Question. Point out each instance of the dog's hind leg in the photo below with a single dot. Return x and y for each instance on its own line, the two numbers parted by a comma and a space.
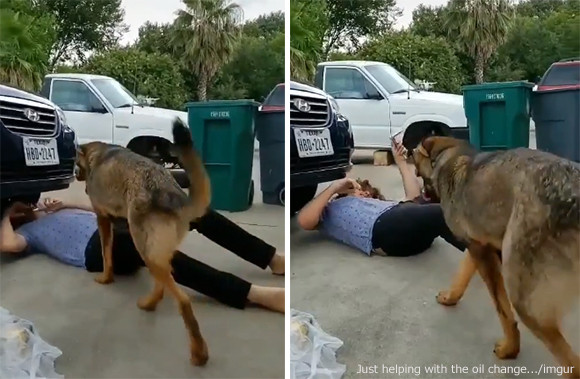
460, 282
106, 235
542, 279
488, 265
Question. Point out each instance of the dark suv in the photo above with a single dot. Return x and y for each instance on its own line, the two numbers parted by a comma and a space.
38, 149
321, 143
564, 74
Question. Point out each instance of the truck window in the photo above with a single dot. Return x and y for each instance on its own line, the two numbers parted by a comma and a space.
276, 97
347, 83
75, 96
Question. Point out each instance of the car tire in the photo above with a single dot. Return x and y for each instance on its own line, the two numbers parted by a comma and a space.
300, 196
416, 132
251, 194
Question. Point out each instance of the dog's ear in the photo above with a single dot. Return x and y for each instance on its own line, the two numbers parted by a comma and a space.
435, 145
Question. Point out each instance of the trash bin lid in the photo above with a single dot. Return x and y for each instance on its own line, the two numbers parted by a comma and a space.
498, 85
222, 103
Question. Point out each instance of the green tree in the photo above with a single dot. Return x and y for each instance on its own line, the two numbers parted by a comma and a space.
206, 33
147, 74
430, 21
481, 27
155, 38
308, 24
82, 26
25, 42
350, 20
265, 25
424, 58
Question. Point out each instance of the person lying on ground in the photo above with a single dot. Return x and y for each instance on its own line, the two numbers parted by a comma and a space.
355, 213
69, 233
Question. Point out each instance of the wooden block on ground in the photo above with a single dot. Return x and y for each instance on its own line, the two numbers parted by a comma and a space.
383, 158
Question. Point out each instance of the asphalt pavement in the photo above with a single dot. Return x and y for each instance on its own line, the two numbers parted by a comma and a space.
384, 308
103, 334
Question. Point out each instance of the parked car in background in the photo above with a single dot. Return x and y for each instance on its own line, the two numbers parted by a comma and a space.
37, 150
321, 142
380, 102
99, 108
564, 74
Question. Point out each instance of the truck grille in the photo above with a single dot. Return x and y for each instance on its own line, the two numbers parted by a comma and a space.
317, 116
12, 115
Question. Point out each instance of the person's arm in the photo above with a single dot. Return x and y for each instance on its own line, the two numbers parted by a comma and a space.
309, 216
411, 183
53, 205
10, 241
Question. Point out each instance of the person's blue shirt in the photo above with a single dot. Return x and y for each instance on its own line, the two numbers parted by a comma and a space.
351, 219
63, 235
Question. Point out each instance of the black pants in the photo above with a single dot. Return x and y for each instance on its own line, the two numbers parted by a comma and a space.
222, 286
409, 228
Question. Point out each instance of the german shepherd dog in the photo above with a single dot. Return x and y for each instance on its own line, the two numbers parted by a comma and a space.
526, 204
123, 184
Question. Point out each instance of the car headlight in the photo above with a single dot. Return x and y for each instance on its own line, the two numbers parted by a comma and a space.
334, 104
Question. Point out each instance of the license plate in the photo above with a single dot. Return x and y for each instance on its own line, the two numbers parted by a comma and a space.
40, 151
313, 143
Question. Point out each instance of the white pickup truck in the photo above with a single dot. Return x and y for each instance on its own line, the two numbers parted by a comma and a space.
380, 102
98, 108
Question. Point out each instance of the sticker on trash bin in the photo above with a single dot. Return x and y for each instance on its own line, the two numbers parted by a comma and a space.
220, 114
494, 96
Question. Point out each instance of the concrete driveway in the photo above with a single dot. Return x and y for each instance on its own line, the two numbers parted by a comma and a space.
384, 308
103, 334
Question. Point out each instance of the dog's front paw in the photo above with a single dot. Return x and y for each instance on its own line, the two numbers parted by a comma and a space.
104, 279
505, 349
447, 298
199, 354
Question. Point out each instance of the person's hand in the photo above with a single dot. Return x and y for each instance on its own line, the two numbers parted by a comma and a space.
50, 205
399, 153
19, 209
345, 186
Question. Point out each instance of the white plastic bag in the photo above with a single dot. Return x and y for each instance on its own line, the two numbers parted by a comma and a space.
312, 351
23, 354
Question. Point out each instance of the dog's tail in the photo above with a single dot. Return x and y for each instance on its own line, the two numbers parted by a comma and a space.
199, 183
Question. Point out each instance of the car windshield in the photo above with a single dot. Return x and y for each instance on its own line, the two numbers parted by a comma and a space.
391, 80
561, 75
115, 93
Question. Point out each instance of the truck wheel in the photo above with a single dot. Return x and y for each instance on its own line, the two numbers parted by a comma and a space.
416, 132
300, 196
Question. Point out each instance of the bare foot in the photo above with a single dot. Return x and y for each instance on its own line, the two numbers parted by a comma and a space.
278, 264
272, 298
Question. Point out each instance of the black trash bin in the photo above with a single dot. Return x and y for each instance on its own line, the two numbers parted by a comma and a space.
556, 113
271, 134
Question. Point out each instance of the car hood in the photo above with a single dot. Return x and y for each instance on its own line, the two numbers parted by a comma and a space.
20, 94
306, 88
440, 97
155, 112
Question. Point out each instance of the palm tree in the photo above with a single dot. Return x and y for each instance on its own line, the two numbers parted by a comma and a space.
481, 27
22, 58
206, 34
307, 25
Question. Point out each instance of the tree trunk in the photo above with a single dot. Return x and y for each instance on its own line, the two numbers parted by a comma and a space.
202, 87
479, 67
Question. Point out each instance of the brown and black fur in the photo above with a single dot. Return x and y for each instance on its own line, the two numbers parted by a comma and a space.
526, 204
123, 184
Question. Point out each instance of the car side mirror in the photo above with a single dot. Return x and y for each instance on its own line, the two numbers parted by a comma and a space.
99, 109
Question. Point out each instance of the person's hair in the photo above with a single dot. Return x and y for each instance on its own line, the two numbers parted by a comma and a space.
373, 191
365, 185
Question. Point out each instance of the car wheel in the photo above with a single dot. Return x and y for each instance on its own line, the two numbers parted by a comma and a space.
416, 132
282, 195
300, 196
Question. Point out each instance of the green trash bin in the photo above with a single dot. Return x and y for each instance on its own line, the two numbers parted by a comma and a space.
223, 133
498, 114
